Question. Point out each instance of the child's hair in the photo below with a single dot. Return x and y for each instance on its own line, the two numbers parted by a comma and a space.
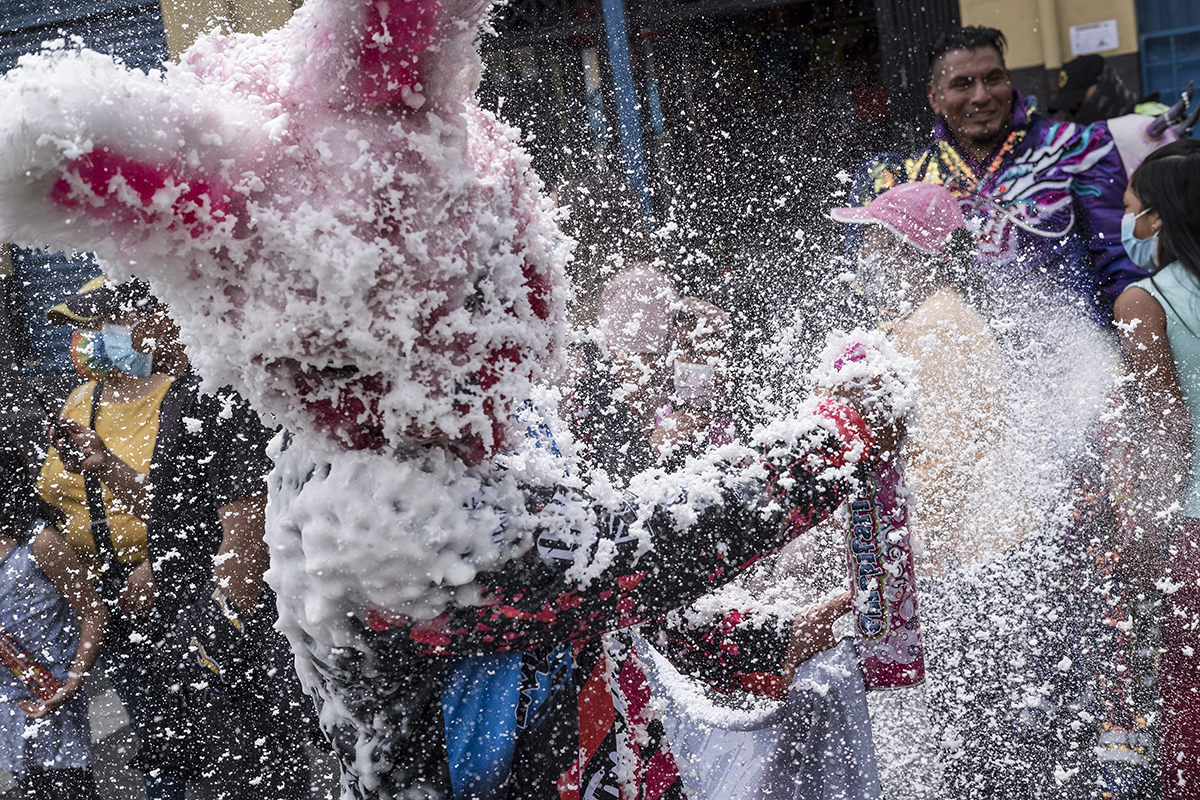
20, 503
1168, 182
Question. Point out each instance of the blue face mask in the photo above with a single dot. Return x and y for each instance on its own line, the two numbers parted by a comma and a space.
1143, 252
118, 343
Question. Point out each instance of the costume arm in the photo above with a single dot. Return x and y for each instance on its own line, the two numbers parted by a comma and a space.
747, 650
1099, 188
705, 526
740, 650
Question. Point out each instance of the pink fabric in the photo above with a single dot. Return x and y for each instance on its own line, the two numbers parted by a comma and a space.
1179, 669
1131, 135
921, 214
136, 195
397, 33
200, 204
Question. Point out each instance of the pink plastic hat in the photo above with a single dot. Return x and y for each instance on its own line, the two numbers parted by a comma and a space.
921, 214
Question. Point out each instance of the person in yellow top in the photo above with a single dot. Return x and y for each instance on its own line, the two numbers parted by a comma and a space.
130, 429
208, 682
131, 394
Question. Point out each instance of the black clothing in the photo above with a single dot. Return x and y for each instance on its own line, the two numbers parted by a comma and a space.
1112, 99
607, 434
59, 784
212, 695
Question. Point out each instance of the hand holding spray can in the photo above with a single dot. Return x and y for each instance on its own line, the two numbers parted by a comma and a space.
887, 627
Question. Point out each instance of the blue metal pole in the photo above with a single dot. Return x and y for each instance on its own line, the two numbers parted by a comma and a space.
628, 119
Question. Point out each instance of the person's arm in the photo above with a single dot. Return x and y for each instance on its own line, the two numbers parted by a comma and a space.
214, 623
244, 556
58, 562
236, 474
962, 380
82, 450
1165, 433
709, 523
748, 650
812, 633
228, 449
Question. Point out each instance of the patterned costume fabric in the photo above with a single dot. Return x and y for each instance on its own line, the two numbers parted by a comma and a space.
1045, 209
558, 703
732, 653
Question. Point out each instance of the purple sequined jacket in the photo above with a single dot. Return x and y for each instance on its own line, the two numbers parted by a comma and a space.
1045, 210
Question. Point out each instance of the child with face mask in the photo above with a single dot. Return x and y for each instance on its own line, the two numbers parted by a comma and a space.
1159, 320
120, 401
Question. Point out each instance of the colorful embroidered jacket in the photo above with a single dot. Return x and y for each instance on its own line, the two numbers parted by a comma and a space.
508, 698
1045, 209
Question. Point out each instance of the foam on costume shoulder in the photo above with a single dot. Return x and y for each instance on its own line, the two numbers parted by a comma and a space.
342, 233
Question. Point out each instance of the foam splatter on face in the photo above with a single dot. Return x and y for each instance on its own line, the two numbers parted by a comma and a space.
341, 232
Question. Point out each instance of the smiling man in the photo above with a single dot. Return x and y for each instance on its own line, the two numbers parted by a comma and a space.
1042, 197
971, 91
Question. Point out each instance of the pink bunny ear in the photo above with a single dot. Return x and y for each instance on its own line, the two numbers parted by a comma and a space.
397, 33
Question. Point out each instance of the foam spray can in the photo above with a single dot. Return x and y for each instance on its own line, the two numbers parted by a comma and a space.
27, 669
887, 628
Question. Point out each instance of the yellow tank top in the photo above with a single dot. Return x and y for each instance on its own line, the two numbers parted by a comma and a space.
130, 431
